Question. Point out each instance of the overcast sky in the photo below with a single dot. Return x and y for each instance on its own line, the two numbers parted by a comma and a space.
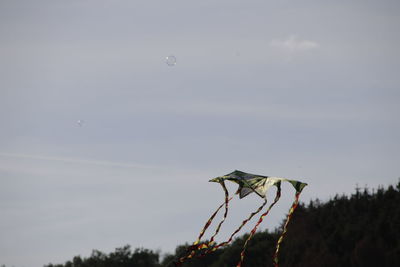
103, 144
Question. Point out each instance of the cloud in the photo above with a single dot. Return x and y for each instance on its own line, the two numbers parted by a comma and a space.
294, 44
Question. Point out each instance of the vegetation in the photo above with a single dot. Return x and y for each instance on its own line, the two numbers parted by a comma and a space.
360, 230
122, 257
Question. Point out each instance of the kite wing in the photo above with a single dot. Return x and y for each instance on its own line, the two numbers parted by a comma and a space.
259, 184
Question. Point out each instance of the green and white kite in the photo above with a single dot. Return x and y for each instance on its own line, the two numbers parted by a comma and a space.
248, 183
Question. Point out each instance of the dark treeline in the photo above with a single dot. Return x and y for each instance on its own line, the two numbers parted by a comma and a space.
358, 230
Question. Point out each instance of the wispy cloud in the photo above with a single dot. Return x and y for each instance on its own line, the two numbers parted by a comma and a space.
294, 44
76, 160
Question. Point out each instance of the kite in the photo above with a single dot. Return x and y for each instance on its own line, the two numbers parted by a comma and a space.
248, 183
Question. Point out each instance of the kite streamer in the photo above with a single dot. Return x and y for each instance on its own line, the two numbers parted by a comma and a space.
196, 245
278, 195
289, 216
248, 183
225, 214
214, 248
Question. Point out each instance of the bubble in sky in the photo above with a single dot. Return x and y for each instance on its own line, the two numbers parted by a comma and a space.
170, 60
80, 123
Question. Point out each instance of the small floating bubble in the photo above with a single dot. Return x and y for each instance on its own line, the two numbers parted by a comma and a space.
170, 60
80, 122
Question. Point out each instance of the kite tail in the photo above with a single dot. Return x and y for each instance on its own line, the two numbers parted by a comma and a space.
234, 233
289, 216
225, 214
278, 195
196, 244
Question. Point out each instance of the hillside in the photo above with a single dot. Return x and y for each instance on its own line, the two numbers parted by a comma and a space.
358, 230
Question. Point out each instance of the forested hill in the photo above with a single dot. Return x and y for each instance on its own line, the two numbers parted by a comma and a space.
358, 230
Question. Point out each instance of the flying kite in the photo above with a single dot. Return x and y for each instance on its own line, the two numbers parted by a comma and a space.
248, 183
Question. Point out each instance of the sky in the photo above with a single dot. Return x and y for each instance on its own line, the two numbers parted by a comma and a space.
103, 144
